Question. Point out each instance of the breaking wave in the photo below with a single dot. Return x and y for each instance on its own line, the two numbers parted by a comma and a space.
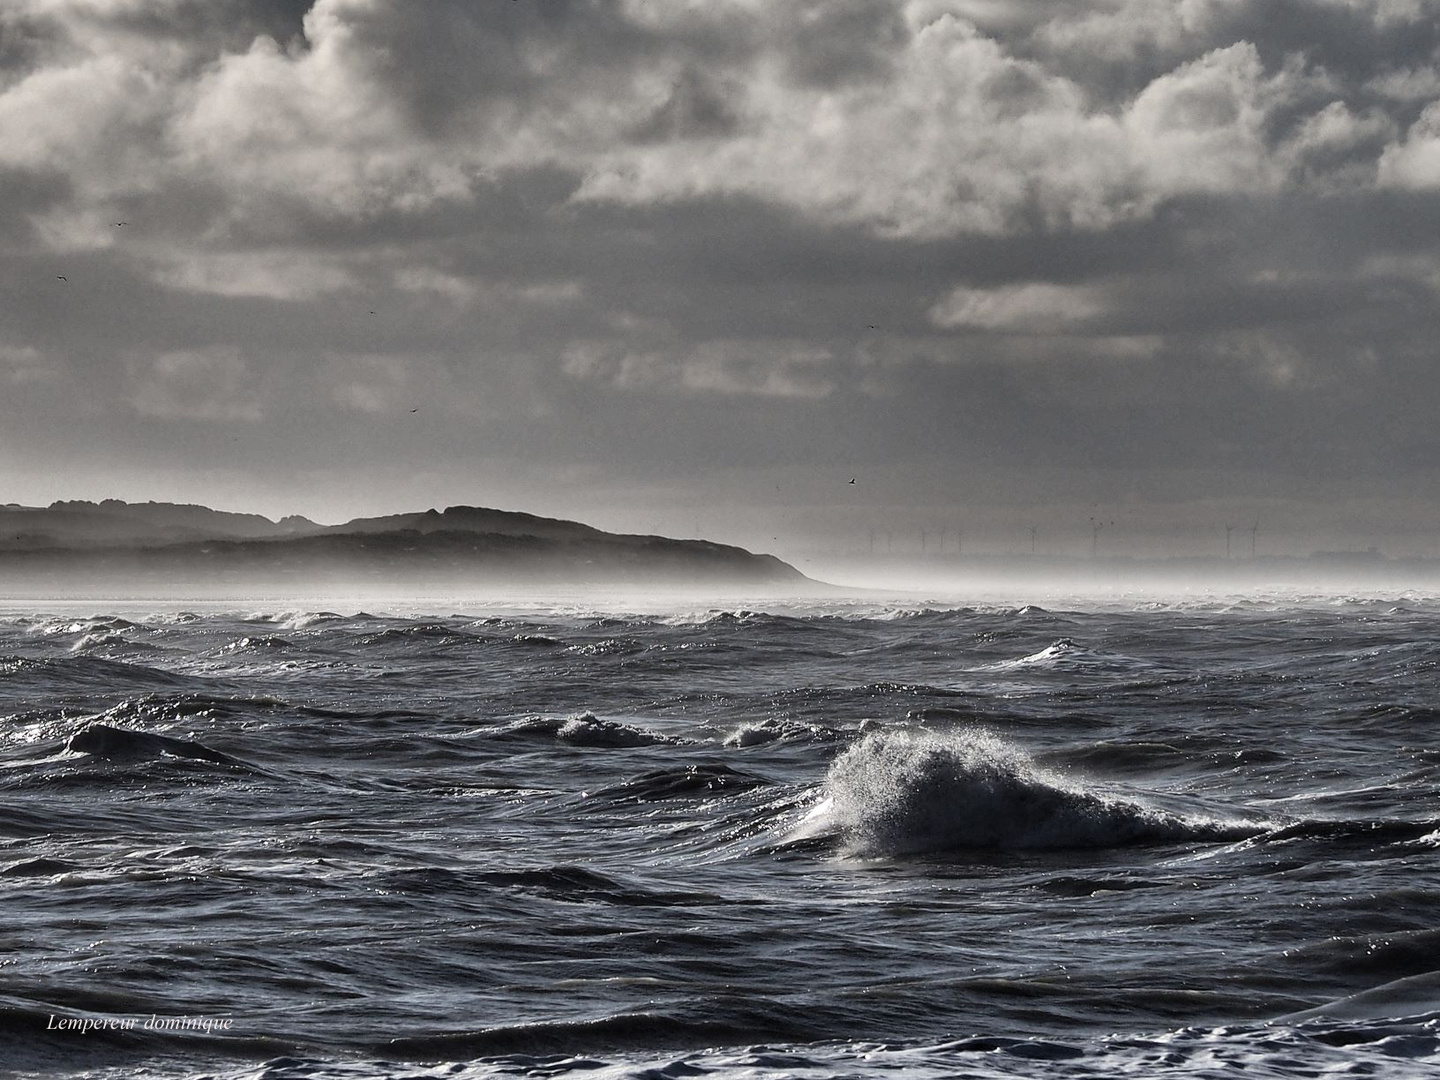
911, 792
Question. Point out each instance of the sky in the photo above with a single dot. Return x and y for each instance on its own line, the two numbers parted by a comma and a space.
1120, 272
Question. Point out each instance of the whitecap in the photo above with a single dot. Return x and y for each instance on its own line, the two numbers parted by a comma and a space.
909, 792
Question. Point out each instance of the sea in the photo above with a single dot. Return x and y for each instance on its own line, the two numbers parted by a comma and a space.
837, 836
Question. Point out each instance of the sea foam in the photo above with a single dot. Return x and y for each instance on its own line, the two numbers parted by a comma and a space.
909, 792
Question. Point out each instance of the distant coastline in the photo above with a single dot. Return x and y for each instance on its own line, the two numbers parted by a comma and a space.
164, 548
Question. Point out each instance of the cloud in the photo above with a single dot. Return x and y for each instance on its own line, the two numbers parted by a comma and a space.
1422, 269
828, 44
372, 384
1126, 33
1201, 128
1338, 147
1032, 308
1406, 84
20, 364
306, 127
213, 384
93, 121
1385, 12
730, 368
1415, 162
463, 290
771, 369
274, 275
960, 137
963, 137
1114, 48
901, 118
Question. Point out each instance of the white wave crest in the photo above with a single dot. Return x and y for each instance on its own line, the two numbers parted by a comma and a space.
909, 792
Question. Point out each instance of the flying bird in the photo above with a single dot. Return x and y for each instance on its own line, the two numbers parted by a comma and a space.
62, 277
852, 479
119, 223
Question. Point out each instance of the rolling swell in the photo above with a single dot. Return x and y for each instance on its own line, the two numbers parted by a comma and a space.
706, 1023
83, 671
33, 1042
102, 740
688, 781
913, 792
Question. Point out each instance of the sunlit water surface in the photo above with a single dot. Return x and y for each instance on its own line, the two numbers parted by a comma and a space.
804, 839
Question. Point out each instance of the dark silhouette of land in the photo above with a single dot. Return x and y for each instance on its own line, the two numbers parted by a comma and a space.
85, 547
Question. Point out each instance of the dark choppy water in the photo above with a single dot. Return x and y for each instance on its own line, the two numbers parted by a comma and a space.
819, 841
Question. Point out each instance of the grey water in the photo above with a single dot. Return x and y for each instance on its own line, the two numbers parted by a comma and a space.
811, 838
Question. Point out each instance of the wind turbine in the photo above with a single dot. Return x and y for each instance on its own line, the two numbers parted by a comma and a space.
1095, 529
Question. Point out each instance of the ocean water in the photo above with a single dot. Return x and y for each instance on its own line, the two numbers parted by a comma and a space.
827, 838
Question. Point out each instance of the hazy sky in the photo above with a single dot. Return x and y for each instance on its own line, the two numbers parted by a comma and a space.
694, 264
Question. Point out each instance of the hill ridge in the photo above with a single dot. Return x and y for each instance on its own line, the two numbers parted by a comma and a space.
84, 544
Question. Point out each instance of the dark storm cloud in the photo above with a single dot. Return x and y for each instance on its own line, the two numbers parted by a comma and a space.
695, 108
28, 192
32, 34
212, 26
451, 57
830, 43
25, 39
